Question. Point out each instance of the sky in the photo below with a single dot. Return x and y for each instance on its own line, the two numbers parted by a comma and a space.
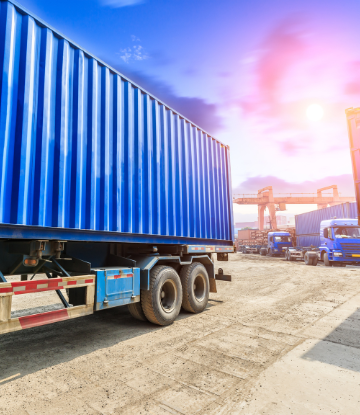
245, 71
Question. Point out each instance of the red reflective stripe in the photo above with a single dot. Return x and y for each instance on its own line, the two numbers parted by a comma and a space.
43, 318
6, 290
29, 285
89, 281
123, 276
71, 282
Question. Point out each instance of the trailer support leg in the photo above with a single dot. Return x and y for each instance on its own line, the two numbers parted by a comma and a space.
2, 278
60, 268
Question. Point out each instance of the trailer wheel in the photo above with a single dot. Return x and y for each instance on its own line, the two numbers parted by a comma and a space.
315, 261
308, 259
195, 287
327, 263
263, 251
161, 304
136, 311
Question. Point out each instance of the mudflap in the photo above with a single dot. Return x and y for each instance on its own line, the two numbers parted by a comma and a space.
213, 288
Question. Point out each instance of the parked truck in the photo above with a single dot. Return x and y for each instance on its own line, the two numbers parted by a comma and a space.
277, 243
327, 235
108, 197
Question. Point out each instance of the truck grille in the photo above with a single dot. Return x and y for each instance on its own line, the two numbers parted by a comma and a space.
350, 249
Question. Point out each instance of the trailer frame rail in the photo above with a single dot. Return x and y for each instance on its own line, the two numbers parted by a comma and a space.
9, 289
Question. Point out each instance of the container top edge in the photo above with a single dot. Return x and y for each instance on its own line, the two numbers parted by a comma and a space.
43, 23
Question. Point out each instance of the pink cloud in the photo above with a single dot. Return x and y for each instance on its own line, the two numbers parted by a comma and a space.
295, 67
291, 147
278, 53
353, 86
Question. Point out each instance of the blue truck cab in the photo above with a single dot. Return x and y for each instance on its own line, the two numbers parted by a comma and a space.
278, 242
340, 241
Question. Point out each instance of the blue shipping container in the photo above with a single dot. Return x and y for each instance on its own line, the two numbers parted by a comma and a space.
307, 225
89, 155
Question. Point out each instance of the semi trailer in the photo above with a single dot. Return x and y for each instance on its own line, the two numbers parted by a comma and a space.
327, 235
108, 196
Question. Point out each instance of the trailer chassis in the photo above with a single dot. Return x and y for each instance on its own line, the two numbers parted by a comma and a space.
310, 255
118, 279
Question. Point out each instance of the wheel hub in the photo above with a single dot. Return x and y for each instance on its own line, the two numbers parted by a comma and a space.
168, 296
199, 287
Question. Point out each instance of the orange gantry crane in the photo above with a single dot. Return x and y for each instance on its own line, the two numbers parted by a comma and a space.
265, 199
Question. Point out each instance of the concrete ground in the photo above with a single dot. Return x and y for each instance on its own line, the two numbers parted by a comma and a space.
282, 338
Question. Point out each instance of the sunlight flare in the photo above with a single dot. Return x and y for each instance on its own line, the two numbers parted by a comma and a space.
314, 112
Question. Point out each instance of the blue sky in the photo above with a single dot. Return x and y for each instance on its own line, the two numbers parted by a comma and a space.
246, 71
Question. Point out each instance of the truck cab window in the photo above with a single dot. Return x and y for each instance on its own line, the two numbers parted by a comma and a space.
347, 232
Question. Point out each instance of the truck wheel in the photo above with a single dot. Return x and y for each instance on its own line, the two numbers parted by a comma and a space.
195, 287
136, 311
161, 304
314, 261
327, 263
308, 259
270, 253
263, 251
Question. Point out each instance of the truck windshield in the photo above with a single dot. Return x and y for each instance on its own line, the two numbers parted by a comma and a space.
282, 239
347, 232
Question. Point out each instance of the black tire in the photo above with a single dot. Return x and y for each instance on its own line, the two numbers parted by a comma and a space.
315, 261
269, 253
263, 251
308, 259
136, 311
327, 263
162, 302
195, 287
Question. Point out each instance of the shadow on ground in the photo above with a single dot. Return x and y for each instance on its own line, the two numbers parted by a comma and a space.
346, 334
31, 350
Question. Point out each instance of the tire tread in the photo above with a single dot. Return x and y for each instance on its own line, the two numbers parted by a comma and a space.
135, 309
146, 297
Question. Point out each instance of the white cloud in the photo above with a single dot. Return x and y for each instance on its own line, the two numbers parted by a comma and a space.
120, 3
133, 53
135, 38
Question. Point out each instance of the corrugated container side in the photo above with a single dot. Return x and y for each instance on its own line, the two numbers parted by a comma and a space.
309, 223
308, 240
85, 148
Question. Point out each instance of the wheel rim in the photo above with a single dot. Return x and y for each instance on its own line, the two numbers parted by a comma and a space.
168, 296
199, 287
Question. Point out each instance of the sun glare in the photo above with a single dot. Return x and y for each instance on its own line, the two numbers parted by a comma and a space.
314, 112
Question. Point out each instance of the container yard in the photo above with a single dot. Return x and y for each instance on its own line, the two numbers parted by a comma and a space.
284, 339
144, 267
